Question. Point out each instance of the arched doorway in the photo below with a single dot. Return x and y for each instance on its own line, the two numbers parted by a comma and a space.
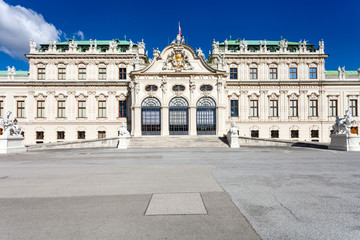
206, 116
150, 116
178, 116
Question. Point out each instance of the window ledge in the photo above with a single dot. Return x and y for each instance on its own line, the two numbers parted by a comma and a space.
293, 118
121, 118
101, 118
313, 118
40, 118
254, 118
274, 118
81, 118
60, 118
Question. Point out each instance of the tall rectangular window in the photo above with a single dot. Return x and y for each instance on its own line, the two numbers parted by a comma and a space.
313, 108
254, 108
333, 108
60, 135
233, 73
273, 73
102, 73
82, 73
354, 107
20, 109
81, 109
293, 73
234, 108
273, 108
313, 73
122, 108
294, 108
40, 109
41, 73
122, 73
101, 134
102, 109
1, 108
253, 73
61, 109
62, 74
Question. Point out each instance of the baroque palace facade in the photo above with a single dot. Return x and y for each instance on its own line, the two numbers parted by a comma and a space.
86, 89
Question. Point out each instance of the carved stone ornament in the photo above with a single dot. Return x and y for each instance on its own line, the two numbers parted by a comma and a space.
81, 96
177, 60
121, 97
40, 96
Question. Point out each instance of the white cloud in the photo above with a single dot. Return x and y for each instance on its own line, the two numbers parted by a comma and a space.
18, 25
80, 34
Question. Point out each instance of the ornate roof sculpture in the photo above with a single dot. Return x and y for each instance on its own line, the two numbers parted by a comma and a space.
177, 59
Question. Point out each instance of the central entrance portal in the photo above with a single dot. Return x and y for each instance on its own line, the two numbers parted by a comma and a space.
178, 116
150, 117
206, 116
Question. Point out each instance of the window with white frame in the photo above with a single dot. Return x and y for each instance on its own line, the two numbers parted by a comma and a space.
333, 107
254, 108
313, 108
293, 108
274, 108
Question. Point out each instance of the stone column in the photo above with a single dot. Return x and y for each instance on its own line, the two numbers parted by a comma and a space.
192, 121
303, 106
283, 106
136, 121
164, 121
263, 106
244, 106
220, 123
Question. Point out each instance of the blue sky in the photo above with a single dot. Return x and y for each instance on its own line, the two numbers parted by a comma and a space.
337, 22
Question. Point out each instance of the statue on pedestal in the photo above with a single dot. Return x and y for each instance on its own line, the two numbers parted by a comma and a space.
10, 126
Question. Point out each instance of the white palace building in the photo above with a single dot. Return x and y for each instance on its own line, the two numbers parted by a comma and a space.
86, 89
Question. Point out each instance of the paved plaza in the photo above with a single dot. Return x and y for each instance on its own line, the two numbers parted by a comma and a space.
180, 193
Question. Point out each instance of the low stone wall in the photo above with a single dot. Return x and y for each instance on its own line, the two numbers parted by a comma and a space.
96, 143
249, 141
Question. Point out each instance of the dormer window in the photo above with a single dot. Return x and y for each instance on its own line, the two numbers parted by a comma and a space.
151, 88
178, 88
206, 88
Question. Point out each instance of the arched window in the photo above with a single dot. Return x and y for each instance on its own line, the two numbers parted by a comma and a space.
178, 102
178, 88
206, 102
151, 88
151, 102
206, 88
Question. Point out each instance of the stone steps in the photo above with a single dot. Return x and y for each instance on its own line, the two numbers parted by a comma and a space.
178, 142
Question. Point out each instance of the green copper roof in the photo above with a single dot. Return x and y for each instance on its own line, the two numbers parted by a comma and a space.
19, 73
98, 42
257, 42
335, 72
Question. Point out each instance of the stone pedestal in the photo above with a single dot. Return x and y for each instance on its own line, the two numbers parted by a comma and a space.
123, 142
233, 140
12, 144
344, 142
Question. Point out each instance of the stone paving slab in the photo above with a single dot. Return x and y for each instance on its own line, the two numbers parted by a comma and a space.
176, 204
